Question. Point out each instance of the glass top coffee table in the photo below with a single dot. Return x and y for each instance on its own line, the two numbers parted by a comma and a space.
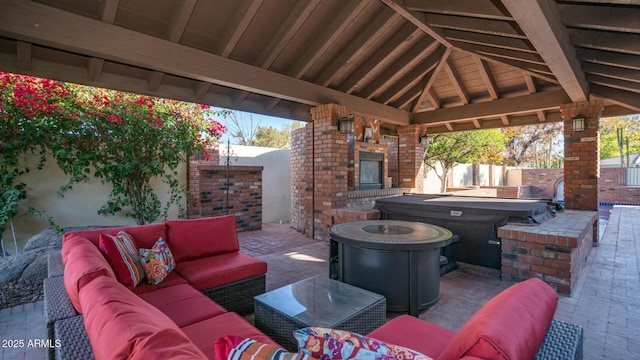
317, 301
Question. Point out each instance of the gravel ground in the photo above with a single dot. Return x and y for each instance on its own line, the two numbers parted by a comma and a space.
15, 293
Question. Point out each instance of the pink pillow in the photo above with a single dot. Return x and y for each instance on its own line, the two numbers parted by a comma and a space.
157, 262
122, 254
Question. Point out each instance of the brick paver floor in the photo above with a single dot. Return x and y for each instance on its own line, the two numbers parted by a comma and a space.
606, 301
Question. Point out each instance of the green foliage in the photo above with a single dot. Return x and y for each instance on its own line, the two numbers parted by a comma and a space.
533, 145
122, 139
272, 137
609, 135
463, 147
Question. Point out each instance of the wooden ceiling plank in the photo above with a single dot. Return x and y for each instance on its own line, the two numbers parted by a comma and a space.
323, 41
414, 77
624, 98
396, 45
294, 21
487, 78
428, 86
404, 99
433, 98
406, 63
237, 25
605, 40
506, 106
180, 20
23, 55
540, 21
356, 49
67, 31
109, 11
607, 18
611, 71
614, 83
417, 19
485, 9
536, 70
489, 40
626, 61
481, 26
94, 68
503, 53
456, 81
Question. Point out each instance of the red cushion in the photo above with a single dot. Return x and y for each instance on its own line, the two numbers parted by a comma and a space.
512, 325
121, 325
204, 333
213, 271
413, 333
144, 235
183, 304
172, 279
84, 264
192, 239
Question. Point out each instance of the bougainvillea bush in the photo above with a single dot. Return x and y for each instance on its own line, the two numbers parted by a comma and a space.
122, 139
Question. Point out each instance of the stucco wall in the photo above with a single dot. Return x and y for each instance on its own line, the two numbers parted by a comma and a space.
78, 207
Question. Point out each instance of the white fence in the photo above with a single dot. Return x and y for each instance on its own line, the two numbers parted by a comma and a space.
633, 176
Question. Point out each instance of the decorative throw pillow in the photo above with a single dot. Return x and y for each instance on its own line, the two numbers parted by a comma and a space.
157, 262
122, 254
334, 344
234, 347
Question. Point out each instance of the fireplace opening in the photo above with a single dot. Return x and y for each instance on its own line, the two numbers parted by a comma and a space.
371, 170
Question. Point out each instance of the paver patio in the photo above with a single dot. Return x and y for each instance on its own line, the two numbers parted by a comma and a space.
606, 301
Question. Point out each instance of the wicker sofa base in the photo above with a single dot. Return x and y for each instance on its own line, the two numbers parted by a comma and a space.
562, 341
74, 342
238, 296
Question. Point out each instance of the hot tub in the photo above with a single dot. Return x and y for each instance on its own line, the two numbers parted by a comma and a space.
474, 219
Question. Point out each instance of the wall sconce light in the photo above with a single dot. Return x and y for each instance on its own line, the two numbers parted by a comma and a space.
345, 125
578, 123
425, 140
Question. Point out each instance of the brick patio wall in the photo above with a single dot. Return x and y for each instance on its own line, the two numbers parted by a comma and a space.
208, 185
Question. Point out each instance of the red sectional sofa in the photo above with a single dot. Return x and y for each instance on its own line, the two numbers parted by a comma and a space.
175, 318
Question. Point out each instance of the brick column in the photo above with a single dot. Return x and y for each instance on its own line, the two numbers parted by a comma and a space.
410, 158
194, 207
302, 180
330, 161
582, 158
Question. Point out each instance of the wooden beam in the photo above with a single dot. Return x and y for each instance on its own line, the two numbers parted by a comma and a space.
76, 33
505, 120
180, 20
541, 116
412, 78
417, 19
237, 25
201, 90
540, 21
607, 18
297, 16
487, 78
109, 11
94, 68
485, 9
506, 106
355, 50
611, 71
490, 40
433, 98
155, 80
531, 84
516, 55
456, 81
614, 83
432, 79
327, 38
23, 55
626, 43
480, 26
626, 61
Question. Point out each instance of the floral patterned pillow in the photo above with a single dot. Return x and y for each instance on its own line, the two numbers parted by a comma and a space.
334, 344
157, 262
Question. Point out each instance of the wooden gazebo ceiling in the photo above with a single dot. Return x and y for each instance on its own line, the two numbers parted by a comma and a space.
445, 64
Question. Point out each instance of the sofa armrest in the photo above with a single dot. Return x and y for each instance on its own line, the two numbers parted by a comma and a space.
73, 340
54, 264
563, 340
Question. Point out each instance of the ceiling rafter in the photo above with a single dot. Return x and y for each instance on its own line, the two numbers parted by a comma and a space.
617, 96
355, 49
487, 78
94, 69
457, 82
180, 20
599, 18
62, 29
505, 120
504, 53
155, 80
603, 40
403, 100
541, 23
485, 9
417, 19
531, 84
238, 24
326, 39
611, 71
109, 11
614, 83
201, 90
481, 26
433, 98
501, 42
412, 78
398, 43
108, 14
427, 87
626, 61
541, 116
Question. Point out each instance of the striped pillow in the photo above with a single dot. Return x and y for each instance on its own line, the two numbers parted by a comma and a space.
233, 347
122, 254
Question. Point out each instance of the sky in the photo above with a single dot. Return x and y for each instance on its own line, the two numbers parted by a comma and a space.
265, 121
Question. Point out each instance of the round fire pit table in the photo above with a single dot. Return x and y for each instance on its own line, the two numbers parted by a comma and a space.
397, 259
